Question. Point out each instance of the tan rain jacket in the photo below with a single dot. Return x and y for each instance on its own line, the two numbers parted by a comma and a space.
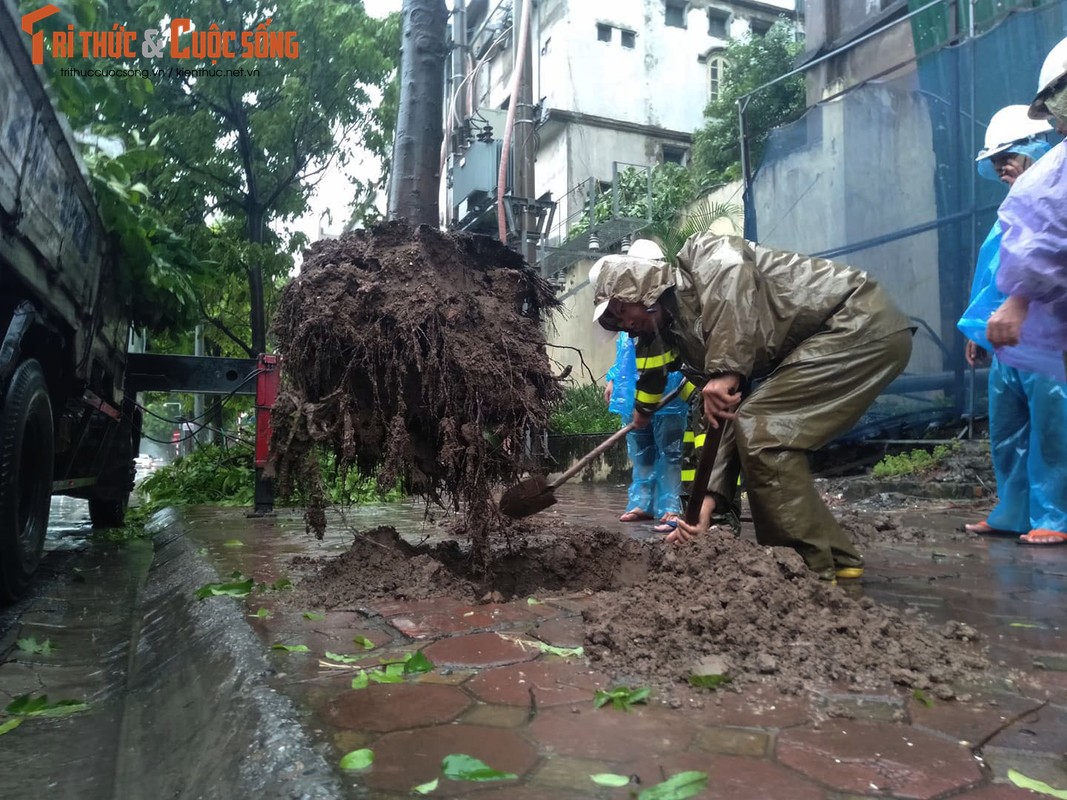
739, 307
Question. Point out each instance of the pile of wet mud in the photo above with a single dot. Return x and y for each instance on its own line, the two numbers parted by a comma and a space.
417, 356
656, 614
726, 606
866, 529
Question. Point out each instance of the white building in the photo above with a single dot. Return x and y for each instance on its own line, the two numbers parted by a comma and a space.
615, 83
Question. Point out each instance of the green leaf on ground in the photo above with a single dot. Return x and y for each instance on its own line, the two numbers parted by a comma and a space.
233, 543
417, 663
922, 697
621, 697
314, 616
379, 676
610, 779
677, 787
708, 681
361, 681
232, 589
562, 652
424, 788
29, 706
340, 658
358, 759
290, 648
1035, 785
281, 583
364, 642
461, 767
32, 646
10, 725
532, 601
261, 614
1022, 625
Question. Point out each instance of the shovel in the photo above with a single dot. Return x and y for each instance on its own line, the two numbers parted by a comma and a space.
536, 494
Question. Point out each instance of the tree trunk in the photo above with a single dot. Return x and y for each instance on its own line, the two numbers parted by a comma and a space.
416, 180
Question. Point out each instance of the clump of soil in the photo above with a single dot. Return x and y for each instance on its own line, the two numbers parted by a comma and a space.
869, 529
417, 356
658, 613
534, 557
758, 614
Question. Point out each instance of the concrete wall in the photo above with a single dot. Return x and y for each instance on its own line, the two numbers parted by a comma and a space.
574, 328
866, 169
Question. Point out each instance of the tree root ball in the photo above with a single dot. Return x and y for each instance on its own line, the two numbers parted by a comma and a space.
417, 356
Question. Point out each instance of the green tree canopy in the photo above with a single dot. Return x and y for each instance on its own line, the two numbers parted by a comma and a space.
225, 158
750, 63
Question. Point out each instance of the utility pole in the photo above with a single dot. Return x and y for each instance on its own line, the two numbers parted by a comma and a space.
525, 151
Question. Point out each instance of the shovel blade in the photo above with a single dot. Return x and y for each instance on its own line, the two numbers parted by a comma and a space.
527, 497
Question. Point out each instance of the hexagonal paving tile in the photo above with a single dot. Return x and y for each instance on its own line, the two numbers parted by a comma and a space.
611, 735
396, 706
733, 777
551, 683
409, 758
865, 757
478, 650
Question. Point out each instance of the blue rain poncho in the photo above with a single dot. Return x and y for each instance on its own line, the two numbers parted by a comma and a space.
656, 450
1027, 409
1033, 256
986, 297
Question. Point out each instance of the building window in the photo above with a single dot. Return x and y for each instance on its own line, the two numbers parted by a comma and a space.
603, 32
674, 13
759, 27
718, 23
629, 39
716, 74
673, 154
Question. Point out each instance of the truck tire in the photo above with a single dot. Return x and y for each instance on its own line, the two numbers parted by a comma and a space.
107, 508
26, 456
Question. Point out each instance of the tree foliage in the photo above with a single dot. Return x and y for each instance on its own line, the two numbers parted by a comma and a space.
657, 195
222, 161
750, 63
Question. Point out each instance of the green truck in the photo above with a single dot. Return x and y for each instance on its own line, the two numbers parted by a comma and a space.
67, 425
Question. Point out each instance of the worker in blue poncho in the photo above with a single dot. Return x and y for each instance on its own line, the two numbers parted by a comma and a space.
1027, 409
656, 450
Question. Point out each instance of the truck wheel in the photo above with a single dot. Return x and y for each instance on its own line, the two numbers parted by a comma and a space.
108, 509
108, 512
26, 455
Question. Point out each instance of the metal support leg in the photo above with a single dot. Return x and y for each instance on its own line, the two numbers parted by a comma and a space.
266, 392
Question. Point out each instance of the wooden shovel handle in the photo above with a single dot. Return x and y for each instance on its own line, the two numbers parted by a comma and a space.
582, 462
699, 487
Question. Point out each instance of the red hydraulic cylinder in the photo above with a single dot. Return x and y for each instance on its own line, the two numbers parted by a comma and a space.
266, 393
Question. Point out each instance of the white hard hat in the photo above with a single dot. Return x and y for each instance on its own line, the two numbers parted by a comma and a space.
645, 248
1010, 125
1054, 68
641, 248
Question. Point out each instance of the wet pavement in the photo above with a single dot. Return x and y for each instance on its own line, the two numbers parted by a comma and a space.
493, 693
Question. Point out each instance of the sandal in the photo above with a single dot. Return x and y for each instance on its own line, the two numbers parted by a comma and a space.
635, 516
1043, 537
667, 523
983, 528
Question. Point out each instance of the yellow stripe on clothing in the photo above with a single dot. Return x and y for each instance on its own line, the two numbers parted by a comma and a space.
688, 475
687, 390
647, 398
654, 362
688, 437
698, 441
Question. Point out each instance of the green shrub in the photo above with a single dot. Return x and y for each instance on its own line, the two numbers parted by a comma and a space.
226, 477
583, 410
210, 474
911, 462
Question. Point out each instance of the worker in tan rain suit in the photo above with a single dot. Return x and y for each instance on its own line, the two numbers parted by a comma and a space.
824, 340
